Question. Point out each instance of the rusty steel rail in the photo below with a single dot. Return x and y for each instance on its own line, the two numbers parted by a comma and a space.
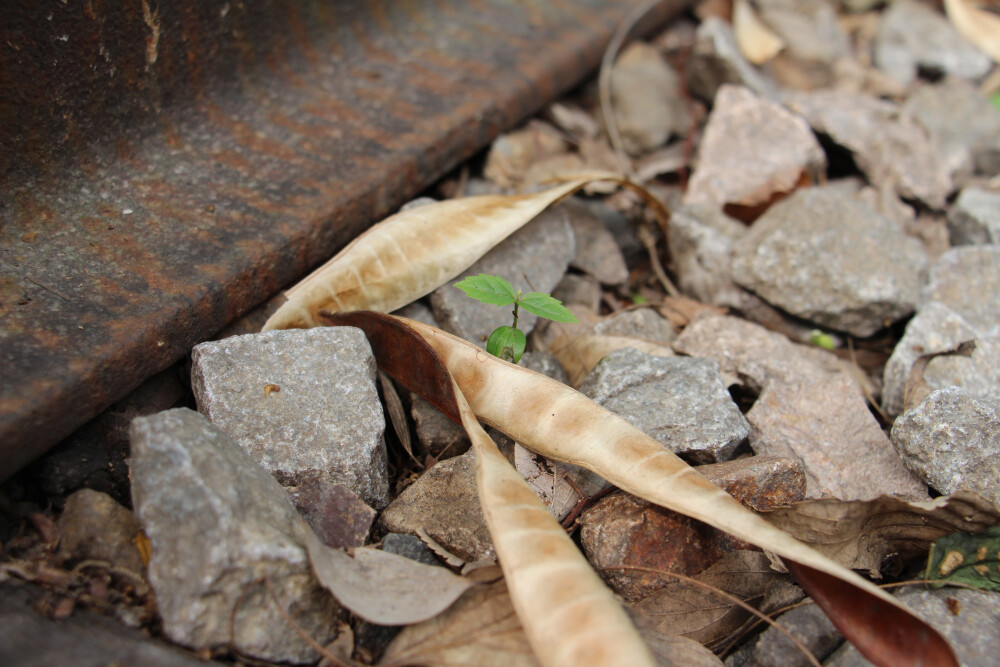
166, 165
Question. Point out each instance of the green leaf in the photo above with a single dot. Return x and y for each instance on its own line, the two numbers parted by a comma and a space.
821, 339
968, 558
995, 98
488, 289
506, 343
547, 306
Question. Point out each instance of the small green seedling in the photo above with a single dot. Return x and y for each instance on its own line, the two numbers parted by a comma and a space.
508, 342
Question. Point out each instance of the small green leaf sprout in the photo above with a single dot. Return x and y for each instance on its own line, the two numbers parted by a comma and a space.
505, 342
822, 339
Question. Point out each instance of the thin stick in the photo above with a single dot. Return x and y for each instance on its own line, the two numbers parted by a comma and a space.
728, 596
646, 238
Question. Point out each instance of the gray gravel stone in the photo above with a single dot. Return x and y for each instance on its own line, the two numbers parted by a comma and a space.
967, 280
648, 105
966, 618
974, 218
580, 289
752, 150
890, 147
952, 441
324, 424
597, 252
95, 527
643, 323
681, 402
964, 124
716, 59
771, 648
828, 426
541, 250
913, 36
809, 28
444, 503
934, 329
440, 436
701, 238
833, 261
218, 523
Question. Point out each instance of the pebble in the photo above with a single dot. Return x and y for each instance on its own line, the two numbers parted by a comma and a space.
952, 441
597, 252
890, 147
302, 402
809, 28
716, 60
641, 323
579, 288
440, 436
964, 124
807, 623
751, 151
833, 261
532, 259
966, 618
95, 527
759, 482
701, 238
967, 280
218, 522
914, 38
648, 104
340, 518
444, 502
680, 402
827, 425
974, 218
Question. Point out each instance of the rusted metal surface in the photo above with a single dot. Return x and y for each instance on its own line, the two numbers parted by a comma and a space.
165, 166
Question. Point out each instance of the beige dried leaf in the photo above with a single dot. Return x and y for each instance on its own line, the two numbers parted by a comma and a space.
860, 534
977, 24
480, 630
757, 42
382, 587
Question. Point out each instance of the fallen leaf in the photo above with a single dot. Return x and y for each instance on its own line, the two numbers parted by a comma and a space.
686, 609
397, 414
415, 251
480, 630
967, 558
861, 534
560, 423
382, 587
757, 42
569, 615
976, 23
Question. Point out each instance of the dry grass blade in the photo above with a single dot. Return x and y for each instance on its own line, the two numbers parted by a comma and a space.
570, 616
558, 422
413, 252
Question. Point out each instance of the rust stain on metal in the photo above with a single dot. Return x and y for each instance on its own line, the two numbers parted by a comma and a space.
176, 162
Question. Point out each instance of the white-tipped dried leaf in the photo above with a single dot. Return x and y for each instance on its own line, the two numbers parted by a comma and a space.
978, 25
580, 354
382, 587
410, 254
757, 42
560, 423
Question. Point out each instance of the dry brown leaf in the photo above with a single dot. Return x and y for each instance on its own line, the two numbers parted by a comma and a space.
558, 422
382, 587
977, 24
757, 42
415, 251
480, 630
860, 534
397, 414
683, 608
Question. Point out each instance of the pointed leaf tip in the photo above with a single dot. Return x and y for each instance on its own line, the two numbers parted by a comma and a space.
547, 306
488, 289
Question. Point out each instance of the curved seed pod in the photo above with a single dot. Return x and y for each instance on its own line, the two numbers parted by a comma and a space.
569, 615
556, 421
413, 252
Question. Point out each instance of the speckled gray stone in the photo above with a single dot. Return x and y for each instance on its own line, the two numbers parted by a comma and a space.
831, 260
914, 36
541, 250
324, 424
716, 59
218, 523
966, 618
580, 289
597, 252
964, 124
752, 150
827, 425
643, 323
952, 441
891, 148
974, 218
934, 329
771, 648
680, 402
809, 28
967, 280
701, 238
